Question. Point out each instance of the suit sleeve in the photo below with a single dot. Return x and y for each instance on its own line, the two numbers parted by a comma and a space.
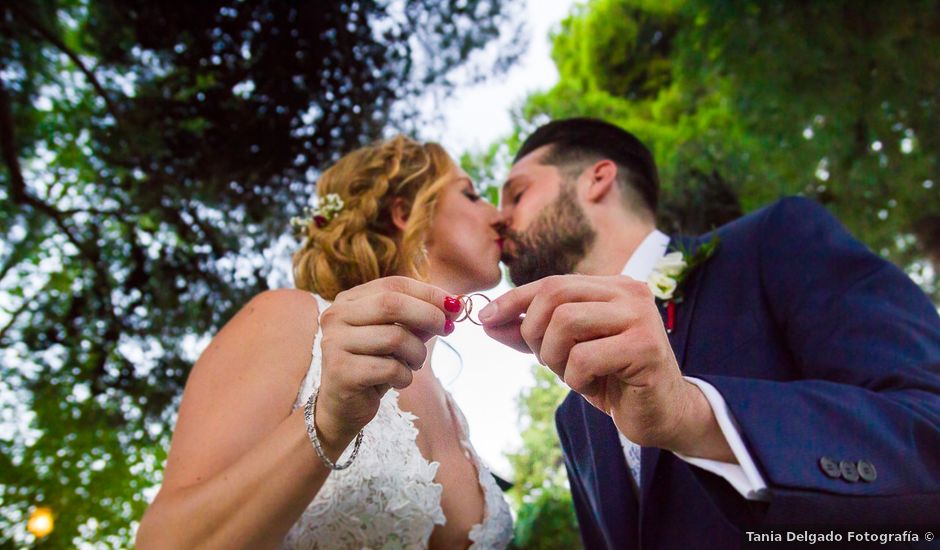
591, 534
866, 344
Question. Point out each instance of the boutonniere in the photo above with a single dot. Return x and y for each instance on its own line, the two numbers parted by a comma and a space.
665, 281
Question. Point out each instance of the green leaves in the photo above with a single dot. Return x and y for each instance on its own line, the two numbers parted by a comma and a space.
545, 514
142, 199
746, 101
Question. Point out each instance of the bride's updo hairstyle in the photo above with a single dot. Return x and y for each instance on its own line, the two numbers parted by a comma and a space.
361, 243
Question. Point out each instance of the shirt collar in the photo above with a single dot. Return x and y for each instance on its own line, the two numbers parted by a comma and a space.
644, 258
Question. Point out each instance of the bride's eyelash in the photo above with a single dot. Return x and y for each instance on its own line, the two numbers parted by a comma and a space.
472, 196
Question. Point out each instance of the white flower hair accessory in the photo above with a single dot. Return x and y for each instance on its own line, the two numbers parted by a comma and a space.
329, 207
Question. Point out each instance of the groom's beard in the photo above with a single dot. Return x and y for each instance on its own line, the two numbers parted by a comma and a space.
553, 244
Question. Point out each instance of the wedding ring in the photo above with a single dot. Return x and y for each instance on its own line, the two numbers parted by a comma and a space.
467, 301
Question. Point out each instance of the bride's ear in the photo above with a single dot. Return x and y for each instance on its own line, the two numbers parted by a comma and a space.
401, 209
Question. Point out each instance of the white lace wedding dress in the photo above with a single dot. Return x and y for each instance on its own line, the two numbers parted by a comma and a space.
388, 498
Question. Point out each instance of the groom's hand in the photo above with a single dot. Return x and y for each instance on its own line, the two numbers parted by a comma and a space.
604, 337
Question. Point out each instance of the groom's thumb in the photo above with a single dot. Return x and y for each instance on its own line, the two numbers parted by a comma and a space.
508, 307
488, 312
508, 334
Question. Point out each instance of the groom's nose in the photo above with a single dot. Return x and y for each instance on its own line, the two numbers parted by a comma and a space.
505, 215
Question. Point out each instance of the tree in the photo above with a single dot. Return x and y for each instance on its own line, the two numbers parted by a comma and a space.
152, 155
744, 101
541, 494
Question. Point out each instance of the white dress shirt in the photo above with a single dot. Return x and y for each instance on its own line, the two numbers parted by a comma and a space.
743, 476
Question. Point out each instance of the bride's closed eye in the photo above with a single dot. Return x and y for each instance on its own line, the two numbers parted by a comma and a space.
472, 195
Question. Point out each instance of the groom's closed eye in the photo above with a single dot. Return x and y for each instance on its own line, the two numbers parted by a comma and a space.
506, 195
512, 190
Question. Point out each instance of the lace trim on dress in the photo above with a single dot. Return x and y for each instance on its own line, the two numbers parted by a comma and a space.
495, 531
388, 498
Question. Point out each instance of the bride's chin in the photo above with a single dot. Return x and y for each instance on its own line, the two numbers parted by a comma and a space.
466, 279
486, 281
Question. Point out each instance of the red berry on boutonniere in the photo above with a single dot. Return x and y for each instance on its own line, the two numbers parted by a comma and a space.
665, 281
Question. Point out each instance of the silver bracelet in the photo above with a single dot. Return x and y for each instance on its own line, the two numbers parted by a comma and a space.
312, 434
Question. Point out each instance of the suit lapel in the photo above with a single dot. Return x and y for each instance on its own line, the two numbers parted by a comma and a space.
616, 500
679, 339
680, 336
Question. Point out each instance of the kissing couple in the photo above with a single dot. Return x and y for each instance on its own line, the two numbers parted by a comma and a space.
773, 371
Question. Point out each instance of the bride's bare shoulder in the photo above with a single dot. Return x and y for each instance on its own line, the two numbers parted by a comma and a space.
282, 305
280, 313
247, 377
275, 327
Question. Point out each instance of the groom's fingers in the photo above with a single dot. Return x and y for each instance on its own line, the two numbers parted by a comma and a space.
575, 323
590, 365
555, 294
508, 334
511, 305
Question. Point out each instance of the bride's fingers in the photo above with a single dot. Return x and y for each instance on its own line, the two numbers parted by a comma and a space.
389, 308
404, 285
387, 340
374, 372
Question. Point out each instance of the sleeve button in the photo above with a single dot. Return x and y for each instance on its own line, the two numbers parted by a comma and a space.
866, 471
849, 471
829, 467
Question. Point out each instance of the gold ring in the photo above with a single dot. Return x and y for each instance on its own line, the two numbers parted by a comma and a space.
467, 301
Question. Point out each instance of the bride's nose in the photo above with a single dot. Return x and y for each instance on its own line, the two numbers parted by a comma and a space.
492, 214
504, 217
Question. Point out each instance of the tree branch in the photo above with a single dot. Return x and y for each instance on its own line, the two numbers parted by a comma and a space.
58, 43
19, 250
8, 146
18, 191
13, 318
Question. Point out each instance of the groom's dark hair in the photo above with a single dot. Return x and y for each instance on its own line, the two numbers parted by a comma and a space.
578, 141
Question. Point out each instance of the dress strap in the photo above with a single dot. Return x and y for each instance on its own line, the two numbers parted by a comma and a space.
321, 306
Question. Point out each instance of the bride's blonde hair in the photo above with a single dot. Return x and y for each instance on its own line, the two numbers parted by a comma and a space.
361, 243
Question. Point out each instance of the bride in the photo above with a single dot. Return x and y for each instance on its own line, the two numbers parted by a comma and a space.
357, 444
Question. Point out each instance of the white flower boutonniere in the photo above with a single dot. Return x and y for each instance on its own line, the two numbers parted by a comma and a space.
670, 272
662, 280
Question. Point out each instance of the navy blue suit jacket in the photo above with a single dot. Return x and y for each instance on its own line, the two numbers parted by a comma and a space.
821, 349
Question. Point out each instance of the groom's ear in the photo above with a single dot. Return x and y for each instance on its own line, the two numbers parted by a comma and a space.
400, 210
603, 178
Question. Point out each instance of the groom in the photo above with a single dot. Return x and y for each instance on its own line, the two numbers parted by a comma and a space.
794, 378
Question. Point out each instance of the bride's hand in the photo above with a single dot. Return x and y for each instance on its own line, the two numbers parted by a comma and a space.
374, 338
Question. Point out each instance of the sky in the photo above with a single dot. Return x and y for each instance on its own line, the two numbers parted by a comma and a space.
492, 376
